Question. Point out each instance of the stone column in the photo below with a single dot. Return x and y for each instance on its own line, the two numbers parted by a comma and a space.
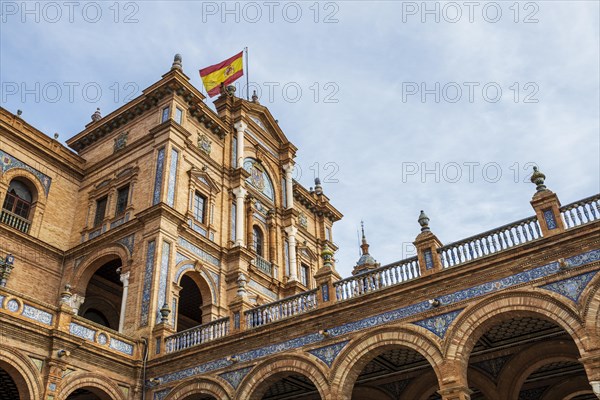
240, 194
455, 393
289, 199
240, 127
292, 231
125, 280
76, 302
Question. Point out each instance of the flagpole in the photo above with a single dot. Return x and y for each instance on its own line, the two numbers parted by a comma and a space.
247, 76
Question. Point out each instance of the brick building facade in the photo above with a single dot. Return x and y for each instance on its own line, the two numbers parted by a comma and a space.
171, 256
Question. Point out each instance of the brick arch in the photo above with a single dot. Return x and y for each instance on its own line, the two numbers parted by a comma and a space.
219, 390
481, 381
105, 387
590, 299
519, 367
23, 372
479, 318
258, 381
421, 388
567, 389
200, 275
352, 360
88, 266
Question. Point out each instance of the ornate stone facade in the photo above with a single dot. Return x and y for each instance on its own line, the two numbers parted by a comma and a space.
165, 260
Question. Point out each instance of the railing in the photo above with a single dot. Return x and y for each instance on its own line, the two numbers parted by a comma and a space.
581, 212
264, 265
377, 279
197, 335
490, 242
281, 309
15, 221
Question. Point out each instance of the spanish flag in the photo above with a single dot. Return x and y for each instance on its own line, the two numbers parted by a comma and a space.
222, 73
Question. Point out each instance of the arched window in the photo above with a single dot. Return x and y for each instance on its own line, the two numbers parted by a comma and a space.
18, 199
257, 240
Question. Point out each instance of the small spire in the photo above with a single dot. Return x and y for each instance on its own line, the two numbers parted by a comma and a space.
96, 116
538, 178
364, 245
424, 221
177, 62
318, 187
255, 97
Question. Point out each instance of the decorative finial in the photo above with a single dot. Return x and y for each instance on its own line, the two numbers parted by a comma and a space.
318, 187
241, 281
364, 245
19, 113
255, 97
55, 135
96, 116
66, 294
423, 221
177, 62
327, 255
538, 178
229, 90
164, 313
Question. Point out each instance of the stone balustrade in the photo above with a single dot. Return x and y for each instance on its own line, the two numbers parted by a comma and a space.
581, 212
288, 307
197, 335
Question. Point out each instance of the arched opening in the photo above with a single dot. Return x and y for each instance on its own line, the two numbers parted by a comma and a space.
19, 204
9, 389
395, 372
258, 240
88, 393
198, 396
189, 309
529, 355
290, 386
103, 295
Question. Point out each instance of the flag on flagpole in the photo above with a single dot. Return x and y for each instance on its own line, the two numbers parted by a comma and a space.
224, 73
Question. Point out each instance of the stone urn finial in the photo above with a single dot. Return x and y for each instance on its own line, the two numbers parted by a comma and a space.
177, 62
538, 179
424, 221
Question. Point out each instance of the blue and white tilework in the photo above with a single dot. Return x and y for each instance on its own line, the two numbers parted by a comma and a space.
9, 162
161, 394
12, 305
121, 346
440, 323
37, 314
428, 259
571, 288
164, 274
493, 366
128, 242
102, 339
327, 354
325, 292
2, 301
549, 218
234, 378
82, 331
148, 275
199, 252
387, 317
160, 164
172, 177
257, 286
52, 387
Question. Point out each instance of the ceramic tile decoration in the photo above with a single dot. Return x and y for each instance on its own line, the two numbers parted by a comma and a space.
440, 323
102, 339
571, 288
160, 163
128, 242
203, 255
12, 305
148, 276
37, 314
549, 218
172, 177
161, 394
234, 378
2, 301
257, 286
82, 331
121, 346
327, 354
164, 274
9, 162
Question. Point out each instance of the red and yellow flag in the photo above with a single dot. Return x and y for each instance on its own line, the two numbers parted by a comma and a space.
224, 73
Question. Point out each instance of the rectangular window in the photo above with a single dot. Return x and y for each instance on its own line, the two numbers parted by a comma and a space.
100, 210
233, 219
304, 275
284, 193
198, 206
122, 200
178, 115
165, 114
234, 153
328, 234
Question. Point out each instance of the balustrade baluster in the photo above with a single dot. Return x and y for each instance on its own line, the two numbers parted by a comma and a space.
585, 212
578, 210
593, 211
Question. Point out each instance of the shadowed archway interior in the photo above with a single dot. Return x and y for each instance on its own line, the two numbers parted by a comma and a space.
103, 296
8, 387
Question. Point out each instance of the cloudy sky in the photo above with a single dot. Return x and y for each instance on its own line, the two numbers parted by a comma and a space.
398, 106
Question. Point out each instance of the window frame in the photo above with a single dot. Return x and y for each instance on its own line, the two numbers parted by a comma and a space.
198, 195
98, 221
165, 114
118, 212
178, 115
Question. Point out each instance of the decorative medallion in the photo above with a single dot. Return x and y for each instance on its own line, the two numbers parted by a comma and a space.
12, 305
120, 142
571, 288
234, 378
303, 220
258, 177
438, 324
204, 144
328, 354
102, 339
